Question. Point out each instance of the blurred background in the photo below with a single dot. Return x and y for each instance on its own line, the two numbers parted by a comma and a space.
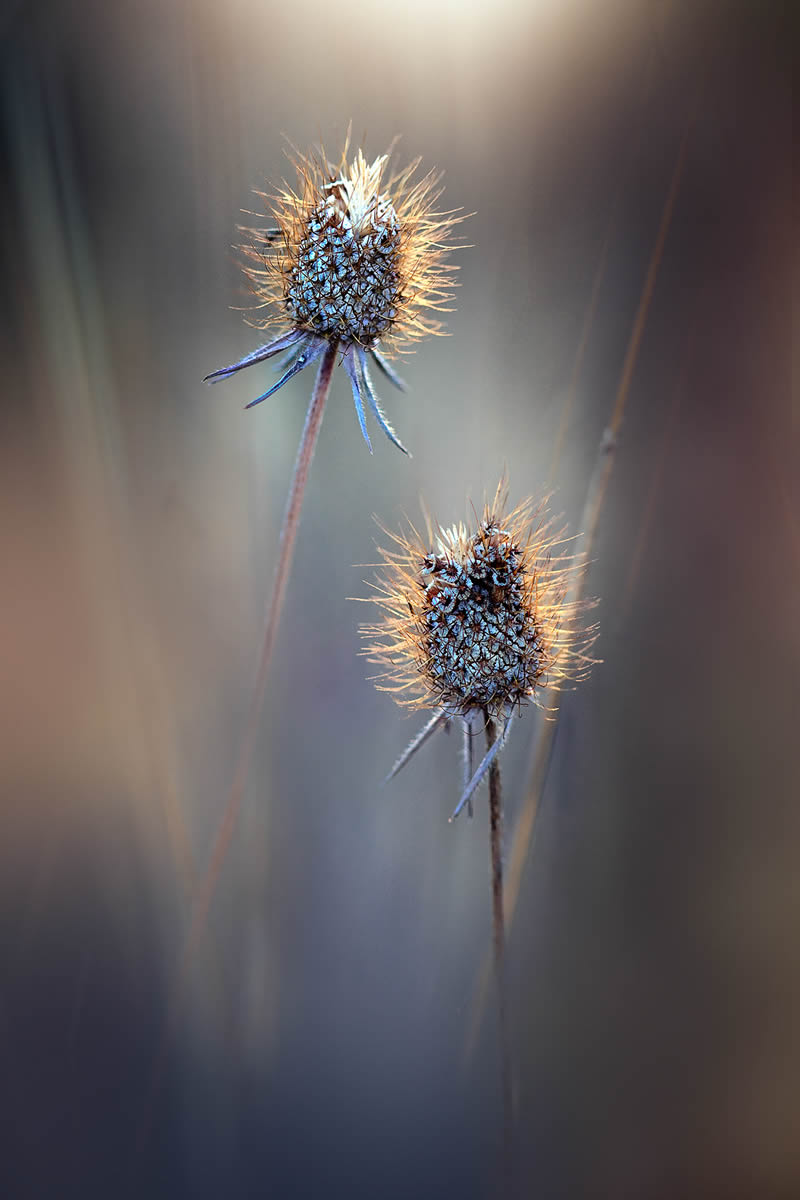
320, 1043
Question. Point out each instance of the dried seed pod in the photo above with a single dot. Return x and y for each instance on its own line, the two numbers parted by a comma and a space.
476, 622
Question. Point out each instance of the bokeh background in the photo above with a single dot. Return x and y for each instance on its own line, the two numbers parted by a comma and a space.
320, 1042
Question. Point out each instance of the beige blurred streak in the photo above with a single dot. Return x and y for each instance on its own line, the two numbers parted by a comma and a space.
100, 685
88, 700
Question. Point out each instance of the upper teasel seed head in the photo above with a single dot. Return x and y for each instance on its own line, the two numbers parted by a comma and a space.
357, 255
345, 282
477, 620
354, 263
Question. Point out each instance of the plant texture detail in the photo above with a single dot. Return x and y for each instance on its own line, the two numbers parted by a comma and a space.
476, 622
354, 260
346, 281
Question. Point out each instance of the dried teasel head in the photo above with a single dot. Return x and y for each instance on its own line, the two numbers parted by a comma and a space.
476, 621
355, 257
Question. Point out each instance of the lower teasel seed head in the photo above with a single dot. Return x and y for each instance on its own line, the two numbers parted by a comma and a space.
478, 620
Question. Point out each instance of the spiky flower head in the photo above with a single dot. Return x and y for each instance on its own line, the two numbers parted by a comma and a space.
354, 258
476, 620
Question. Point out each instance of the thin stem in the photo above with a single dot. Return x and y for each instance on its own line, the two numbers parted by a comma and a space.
523, 836
600, 270
656, 478
205, 892
498, 929
469, 765
291, 522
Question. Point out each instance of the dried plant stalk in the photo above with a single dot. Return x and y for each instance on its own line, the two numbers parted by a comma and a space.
498, 932
524, 832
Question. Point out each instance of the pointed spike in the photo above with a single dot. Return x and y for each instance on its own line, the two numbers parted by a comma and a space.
438, 718
355, 382
485, 763
388, 370
308, 356
261, 355
375, 406
291, 356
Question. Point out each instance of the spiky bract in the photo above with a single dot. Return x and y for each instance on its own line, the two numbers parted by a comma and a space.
478, 620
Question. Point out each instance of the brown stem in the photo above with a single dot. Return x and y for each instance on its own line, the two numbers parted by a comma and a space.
291, 521
595, 496
205, 892
498, 927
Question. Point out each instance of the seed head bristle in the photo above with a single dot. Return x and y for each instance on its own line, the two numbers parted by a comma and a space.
357, 255
478, 620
